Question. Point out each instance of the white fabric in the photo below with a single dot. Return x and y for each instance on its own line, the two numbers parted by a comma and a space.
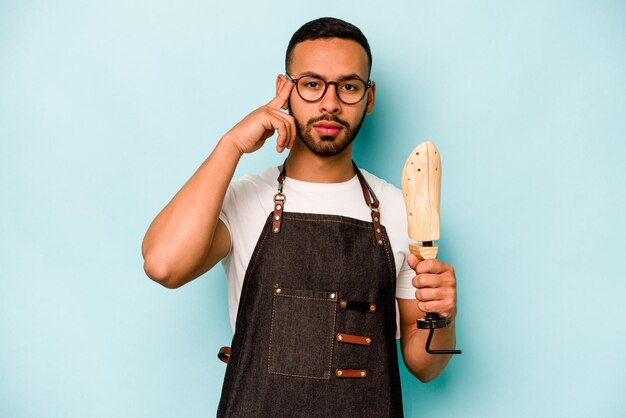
249, 201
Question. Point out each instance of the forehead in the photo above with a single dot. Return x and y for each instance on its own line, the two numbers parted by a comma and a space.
330, 58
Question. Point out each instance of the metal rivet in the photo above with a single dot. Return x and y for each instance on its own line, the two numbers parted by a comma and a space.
278, 290
362, 374
380, 242
376, 218
343, 304
378, 230
372, 308
340, 337
368, 340
275, 229
278, 207
339, 373
332, 296
277, 217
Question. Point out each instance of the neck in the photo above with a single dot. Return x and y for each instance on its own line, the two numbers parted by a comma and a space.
304, 165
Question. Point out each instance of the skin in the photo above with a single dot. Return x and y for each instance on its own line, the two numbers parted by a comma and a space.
186, 239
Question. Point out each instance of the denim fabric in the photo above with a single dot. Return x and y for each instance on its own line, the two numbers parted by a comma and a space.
284, 353
302, 320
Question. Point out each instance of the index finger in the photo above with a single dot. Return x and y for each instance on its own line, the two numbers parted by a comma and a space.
431, 265
280, 101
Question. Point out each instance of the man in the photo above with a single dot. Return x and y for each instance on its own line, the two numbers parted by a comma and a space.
314, 299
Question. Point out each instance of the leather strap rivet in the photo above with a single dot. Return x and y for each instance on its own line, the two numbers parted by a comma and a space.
340, 337
338, 372
343, 304
333, 296
376, 218
380, 242
278, 207
277, 218
278, 290
276, 229
362, 374
378, 230
368, 340
373, 307
224, 354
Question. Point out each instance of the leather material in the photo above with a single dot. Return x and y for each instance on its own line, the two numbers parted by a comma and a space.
279, 204
353, 339
368, 194
224, 354
351, 373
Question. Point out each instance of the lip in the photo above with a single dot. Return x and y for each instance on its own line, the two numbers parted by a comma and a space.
327, 128
327, 125
322, 130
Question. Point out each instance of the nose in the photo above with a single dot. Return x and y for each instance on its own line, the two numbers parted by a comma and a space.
330, 102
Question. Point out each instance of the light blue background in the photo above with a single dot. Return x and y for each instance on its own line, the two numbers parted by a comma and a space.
107, 108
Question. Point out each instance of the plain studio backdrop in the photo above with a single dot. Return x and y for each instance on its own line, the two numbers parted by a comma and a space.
107, 108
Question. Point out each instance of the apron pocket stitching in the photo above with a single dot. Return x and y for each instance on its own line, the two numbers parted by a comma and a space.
313, 335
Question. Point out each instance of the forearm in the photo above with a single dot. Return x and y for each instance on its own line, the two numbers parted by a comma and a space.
422, 365
181, 235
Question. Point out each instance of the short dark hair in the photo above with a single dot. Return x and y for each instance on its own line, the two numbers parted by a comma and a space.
325, 28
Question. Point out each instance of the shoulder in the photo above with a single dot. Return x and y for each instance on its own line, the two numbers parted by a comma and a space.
252, 186
264, 179
251, 192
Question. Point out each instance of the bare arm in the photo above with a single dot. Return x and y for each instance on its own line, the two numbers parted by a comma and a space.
186, 238
436, 284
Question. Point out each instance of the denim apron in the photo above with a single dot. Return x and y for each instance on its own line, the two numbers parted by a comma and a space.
316, 325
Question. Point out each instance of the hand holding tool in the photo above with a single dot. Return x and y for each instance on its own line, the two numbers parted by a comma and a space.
421, 188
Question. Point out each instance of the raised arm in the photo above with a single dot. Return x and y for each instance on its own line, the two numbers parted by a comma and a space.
186, 239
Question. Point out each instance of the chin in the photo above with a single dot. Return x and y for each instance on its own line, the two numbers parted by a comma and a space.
327, 146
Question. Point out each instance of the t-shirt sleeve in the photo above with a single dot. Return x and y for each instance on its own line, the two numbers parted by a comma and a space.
239, 212
404, 285
226, 213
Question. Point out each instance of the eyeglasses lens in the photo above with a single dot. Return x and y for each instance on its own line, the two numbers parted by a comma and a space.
312, 89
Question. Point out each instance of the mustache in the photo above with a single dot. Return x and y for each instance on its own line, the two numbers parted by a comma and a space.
329, 118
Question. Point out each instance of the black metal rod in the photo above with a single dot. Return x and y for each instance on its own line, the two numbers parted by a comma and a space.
429, 351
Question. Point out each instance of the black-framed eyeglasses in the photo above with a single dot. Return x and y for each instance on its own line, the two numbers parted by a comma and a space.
312, 88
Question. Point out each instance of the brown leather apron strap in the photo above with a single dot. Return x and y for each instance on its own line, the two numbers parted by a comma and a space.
224, 354
279, 205
373, 205
351, 373
368, 194
353, 339
279, 202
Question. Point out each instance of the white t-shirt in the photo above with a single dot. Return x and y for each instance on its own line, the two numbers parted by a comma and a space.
249, 201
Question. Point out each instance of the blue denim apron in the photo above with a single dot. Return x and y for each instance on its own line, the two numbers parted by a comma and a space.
316, 325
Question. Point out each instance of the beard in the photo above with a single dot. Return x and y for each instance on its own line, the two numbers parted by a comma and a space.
328, 145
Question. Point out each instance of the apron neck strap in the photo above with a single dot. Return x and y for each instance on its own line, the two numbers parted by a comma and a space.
368, 194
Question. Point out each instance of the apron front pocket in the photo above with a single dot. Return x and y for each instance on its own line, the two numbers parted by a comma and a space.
302, 333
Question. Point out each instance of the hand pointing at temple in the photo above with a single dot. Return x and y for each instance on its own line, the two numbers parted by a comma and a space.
250, 134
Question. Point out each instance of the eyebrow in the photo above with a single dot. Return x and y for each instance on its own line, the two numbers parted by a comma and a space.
342, 78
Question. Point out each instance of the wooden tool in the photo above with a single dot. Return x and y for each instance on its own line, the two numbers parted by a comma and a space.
421, 188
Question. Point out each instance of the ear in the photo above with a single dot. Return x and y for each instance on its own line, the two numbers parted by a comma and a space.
280, 81
371, 98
